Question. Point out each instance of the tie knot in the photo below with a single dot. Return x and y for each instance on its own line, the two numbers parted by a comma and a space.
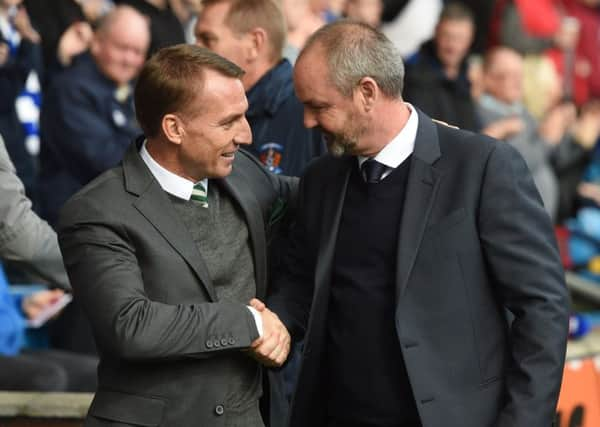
199, 195
373, 170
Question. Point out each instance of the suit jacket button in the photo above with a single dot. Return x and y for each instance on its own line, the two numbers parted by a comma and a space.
231, 340
219, 409
208, 344
223, 342
217, 343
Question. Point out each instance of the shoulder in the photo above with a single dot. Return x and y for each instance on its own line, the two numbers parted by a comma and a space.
469, 147
98, 199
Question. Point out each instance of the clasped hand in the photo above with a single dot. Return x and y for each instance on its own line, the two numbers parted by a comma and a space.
273, 347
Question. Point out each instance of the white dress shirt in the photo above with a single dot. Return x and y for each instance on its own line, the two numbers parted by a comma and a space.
400, 147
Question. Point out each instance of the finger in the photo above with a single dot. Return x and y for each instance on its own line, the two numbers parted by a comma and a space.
267, 347
257, 304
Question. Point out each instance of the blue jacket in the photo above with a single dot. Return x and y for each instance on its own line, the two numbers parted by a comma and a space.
281, 141
85, 131
12, 322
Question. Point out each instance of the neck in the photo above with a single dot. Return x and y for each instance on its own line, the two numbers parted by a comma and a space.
391, 117
166, 154
256, 72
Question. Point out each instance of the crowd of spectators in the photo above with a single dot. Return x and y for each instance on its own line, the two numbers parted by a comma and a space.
524, 71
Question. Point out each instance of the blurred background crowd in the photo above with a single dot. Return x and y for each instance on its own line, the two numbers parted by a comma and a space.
524, 71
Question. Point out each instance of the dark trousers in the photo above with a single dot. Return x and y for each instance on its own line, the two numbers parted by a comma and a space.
48, 370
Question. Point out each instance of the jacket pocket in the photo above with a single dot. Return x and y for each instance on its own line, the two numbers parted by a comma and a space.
128, 408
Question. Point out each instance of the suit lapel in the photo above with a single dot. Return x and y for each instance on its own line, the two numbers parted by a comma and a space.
421, 190
154, 204
243, 195
333, 203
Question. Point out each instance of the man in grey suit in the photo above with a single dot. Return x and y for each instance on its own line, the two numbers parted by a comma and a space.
30, 243
167, 251
25, 238
415, 243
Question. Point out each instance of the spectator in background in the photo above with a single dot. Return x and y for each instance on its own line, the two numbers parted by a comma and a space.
30, 242
66, 29
437, 76
88, 120
301, 23
26, 239
502, 112
556, 148
20, 73
251, 33
367, 11
165, 27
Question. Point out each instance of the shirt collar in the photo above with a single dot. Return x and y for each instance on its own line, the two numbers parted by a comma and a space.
171, 183
401, 146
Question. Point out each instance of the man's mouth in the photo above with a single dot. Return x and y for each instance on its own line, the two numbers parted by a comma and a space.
229, 155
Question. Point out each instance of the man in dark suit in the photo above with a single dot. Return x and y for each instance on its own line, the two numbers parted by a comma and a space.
423, 267
166, 252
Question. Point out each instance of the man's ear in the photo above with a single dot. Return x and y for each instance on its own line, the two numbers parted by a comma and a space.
368, 92
257, 43
173, 128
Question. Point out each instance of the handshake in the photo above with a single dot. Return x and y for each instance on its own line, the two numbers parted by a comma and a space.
273, 347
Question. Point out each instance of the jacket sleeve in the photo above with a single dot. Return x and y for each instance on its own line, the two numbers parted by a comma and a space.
109, 283
522, 255
293, 288
24, 237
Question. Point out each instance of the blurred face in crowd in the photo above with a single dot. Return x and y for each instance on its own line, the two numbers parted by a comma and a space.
213, 33
368, 11
214, 127
337, 116
503, 76
5, 4
453, 39
120, 47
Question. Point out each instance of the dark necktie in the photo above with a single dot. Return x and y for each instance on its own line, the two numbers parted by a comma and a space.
373, 170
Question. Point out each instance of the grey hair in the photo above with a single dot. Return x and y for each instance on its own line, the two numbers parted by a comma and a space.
355, 50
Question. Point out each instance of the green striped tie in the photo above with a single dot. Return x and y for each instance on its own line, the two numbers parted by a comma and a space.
199, 195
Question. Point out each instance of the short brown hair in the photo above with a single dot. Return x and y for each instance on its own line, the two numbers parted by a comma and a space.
457, 11
171, 79
244, 15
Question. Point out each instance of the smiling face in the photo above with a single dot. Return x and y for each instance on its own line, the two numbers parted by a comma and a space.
214, 127
119, 48
337, 116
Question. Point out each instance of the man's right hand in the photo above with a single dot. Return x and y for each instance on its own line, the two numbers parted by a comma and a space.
273, 347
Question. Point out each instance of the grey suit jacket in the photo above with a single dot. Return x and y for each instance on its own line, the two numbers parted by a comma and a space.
24, 237
476, 242
166, 344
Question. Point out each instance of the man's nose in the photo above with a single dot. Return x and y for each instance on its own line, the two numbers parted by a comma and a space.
309, 119
244, 135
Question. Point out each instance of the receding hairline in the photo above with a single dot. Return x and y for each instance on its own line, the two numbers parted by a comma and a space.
491, 57
117, 14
